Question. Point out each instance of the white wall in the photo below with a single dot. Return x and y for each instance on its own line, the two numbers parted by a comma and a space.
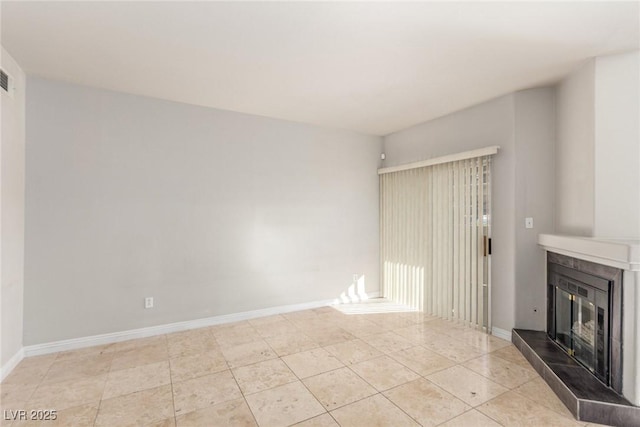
575, 150
12, 170
617, 147
490, 123
598, 149
523, 125
210, 212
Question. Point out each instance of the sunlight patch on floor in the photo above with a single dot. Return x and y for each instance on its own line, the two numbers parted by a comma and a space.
374, 305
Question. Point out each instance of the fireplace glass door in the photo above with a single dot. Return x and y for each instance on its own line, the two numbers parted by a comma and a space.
583, 331
564, 312
576, 325
579, 307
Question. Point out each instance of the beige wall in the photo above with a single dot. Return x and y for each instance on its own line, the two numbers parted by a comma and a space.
12, 170
210, 212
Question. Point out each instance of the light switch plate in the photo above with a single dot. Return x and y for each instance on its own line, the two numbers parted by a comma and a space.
528, 222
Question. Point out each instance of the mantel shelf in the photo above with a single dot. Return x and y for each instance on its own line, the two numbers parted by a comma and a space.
619, 253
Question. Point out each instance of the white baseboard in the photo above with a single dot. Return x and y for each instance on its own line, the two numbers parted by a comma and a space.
90, 341
501, 333
6, 369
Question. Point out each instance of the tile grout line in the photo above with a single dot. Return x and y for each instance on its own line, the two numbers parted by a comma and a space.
484, 354
381, 392
541, 404
307, 388
173, 396
434, 384
106, 381
228, 368
37, 385
538, 376
244, 397
378, 392
470, 410
288, 367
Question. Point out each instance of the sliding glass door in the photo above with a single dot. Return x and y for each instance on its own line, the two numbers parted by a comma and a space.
435, 231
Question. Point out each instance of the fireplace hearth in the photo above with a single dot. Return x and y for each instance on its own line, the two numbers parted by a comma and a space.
586, 397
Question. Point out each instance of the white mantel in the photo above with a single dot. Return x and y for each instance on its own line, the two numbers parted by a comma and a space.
620, 253
625, 255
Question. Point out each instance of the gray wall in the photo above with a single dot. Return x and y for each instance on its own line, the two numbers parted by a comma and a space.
575, 153
522, 124
534, 197
12, 170
210, 212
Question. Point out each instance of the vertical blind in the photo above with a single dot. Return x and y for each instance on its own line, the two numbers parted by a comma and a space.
433, 224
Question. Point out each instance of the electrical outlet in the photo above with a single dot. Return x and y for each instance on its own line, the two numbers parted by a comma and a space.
148, 302
528, 222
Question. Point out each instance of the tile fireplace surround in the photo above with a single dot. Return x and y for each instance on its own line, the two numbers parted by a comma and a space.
618, 253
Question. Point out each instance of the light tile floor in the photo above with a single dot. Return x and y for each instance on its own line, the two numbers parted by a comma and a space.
367, 364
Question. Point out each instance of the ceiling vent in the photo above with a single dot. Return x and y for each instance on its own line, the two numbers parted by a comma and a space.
6, 83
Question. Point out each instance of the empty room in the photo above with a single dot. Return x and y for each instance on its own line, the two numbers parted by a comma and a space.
319, 213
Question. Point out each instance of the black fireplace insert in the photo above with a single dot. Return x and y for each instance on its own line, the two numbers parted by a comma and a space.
579, 317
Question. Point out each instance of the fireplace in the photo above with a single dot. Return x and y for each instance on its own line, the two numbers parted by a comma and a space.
584, 315
593, 301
